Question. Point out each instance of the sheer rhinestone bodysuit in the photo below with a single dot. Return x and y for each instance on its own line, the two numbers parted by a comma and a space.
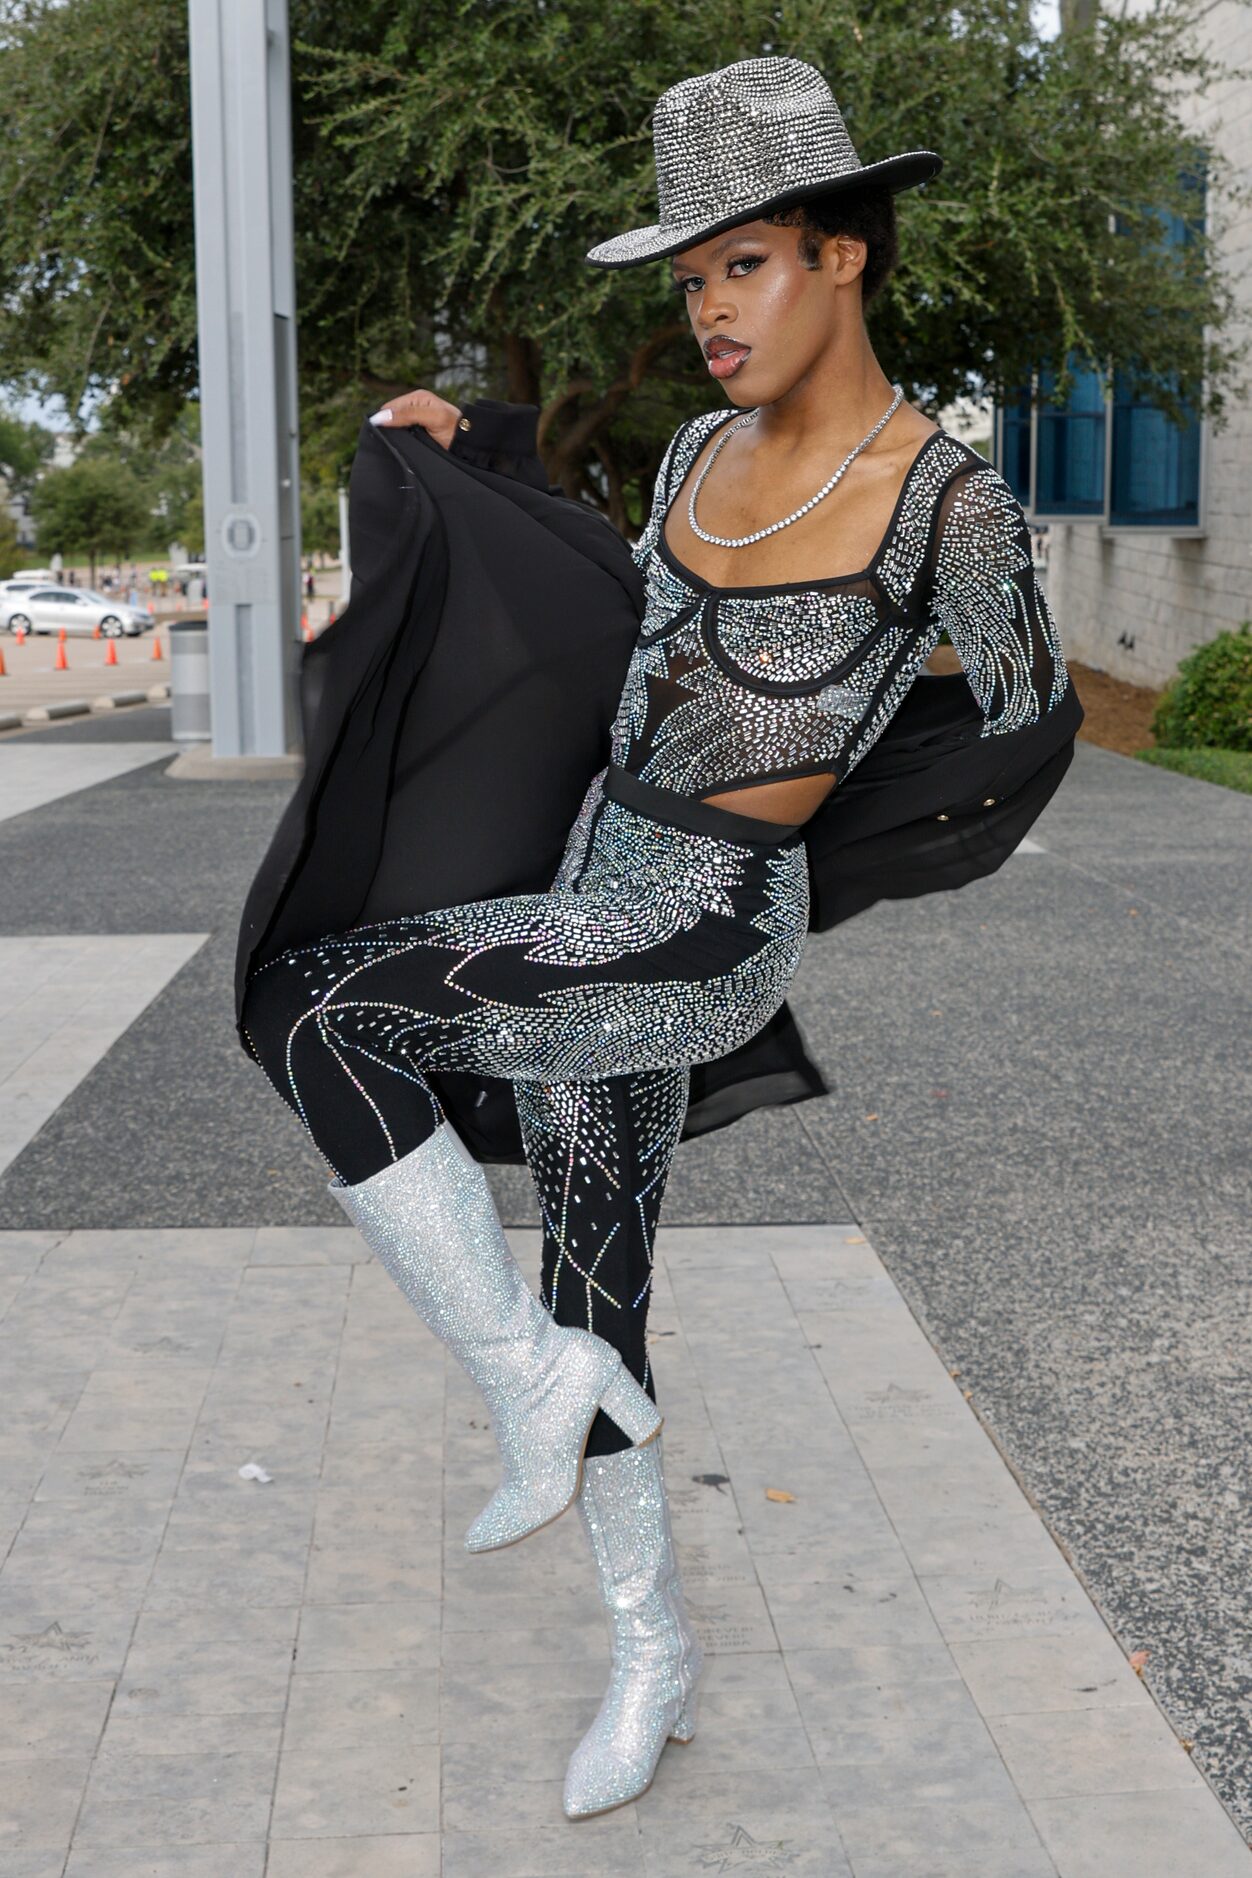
733, 687
673, 928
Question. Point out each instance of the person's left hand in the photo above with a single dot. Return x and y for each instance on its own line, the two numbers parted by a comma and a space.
434, 414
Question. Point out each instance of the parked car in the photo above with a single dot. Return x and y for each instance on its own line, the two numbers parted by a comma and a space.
77, 609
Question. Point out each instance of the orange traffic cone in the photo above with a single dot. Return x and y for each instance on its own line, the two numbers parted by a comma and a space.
110, 652
95, 631
305, 628
20, 635
60, 663
156, 645
3, 673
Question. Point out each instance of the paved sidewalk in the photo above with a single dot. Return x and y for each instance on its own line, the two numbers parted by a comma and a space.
201, 1675
1037, 1114
64, 1002
35, 774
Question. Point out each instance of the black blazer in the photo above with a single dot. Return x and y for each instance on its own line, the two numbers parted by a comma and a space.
457, 709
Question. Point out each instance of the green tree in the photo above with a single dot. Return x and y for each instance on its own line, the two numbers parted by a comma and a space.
10, 546
95, 506
24, 449
455, 159
167, 470
319, 516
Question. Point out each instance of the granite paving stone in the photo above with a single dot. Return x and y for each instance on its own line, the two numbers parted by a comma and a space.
1172, 1832
241, 1859
398, 1855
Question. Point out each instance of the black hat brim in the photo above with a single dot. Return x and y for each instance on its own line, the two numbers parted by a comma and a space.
895, 173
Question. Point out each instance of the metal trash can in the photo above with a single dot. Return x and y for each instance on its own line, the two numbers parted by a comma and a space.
189, 679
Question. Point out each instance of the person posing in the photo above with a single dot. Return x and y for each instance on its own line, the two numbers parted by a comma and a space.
804, 552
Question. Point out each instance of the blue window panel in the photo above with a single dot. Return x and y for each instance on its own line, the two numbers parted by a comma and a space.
1155, 478
1015, 446
1069, 456
1156, 466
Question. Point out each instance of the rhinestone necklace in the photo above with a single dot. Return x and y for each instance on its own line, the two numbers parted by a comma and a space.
745, 541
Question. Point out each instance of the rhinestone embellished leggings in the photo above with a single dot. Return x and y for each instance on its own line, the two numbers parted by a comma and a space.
669, 936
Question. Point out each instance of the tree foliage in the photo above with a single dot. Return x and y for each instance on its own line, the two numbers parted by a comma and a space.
24, 449
10, 546
456, 158
93, 507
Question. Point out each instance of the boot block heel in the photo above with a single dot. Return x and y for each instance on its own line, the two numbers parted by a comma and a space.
631, 1407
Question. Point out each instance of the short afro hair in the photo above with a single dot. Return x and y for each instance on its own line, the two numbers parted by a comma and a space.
869, 214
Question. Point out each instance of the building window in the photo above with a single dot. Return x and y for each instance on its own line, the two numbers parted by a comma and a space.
1155, 465
1108, 454
1014, 445
1069, 447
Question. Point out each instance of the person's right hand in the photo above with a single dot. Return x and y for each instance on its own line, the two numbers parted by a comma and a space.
432, 413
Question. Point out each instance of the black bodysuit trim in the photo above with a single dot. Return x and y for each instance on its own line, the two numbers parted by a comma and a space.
818, 585
799, 687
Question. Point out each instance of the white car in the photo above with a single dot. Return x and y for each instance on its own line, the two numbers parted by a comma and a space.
77, 609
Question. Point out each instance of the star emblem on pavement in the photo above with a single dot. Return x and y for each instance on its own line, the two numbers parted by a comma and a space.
115, 1470
744, 1852
54, 1638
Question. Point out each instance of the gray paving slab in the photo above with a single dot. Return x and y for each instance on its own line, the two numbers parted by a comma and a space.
205, 1674
36, 774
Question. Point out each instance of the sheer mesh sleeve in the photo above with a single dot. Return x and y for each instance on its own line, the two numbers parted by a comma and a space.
986, 594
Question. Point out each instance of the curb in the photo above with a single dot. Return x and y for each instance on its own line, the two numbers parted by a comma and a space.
198, 764
81, 707
45, 713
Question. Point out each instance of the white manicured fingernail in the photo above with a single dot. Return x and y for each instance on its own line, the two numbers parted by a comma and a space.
381, 417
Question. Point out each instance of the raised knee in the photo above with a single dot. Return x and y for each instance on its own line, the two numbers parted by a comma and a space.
275, 1000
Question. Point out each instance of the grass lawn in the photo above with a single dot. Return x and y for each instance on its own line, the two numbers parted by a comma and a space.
1231, 768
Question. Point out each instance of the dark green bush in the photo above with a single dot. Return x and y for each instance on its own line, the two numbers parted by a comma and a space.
1208, 706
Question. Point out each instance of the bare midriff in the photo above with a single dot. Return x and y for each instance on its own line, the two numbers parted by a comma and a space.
784, 802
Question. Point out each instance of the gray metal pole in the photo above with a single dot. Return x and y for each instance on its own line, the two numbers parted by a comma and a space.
246, 304
345, 552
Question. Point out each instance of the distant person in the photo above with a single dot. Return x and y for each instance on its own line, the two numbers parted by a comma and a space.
309, 588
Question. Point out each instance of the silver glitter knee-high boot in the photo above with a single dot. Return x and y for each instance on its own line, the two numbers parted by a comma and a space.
431, 1220
652, 1694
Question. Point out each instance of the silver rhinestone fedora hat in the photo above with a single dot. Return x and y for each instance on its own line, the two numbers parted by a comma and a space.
737, 143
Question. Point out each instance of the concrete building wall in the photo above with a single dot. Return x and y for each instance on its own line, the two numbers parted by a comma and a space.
1133, 602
